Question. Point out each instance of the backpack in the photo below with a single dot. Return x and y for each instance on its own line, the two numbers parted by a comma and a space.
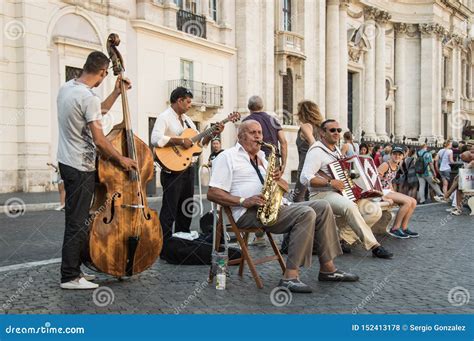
420, 164
411, 173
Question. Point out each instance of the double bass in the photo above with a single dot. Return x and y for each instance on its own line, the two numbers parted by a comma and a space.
125, 236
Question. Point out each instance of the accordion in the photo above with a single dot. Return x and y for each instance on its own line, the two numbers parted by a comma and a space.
359, 175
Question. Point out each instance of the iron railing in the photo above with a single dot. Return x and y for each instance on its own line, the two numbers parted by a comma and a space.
209, 95
191, 23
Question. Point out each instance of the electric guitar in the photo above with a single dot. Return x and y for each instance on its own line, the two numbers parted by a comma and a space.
177, 158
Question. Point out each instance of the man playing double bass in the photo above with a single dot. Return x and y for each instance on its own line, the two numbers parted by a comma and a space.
80, 136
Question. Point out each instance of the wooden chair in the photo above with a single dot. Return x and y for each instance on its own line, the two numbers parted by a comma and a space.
242, 236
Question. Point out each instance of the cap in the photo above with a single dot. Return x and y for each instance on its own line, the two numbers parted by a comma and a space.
397, 150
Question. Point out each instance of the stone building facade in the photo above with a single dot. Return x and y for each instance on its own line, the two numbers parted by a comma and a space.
401, 68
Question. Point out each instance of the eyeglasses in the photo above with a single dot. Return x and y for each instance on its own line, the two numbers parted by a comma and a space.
333, 130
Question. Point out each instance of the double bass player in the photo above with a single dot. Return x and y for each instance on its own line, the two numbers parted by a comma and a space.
80, 136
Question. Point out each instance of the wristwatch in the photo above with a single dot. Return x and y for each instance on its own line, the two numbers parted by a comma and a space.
329, 182
241, 201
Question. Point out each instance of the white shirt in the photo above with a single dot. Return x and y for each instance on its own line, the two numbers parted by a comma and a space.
168, 125
78, 105
318, 158
444, 156
233, 173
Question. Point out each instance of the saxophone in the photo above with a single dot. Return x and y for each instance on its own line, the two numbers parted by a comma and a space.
272, 191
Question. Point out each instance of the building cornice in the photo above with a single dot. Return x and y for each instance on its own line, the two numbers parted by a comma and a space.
184, 38
105, 8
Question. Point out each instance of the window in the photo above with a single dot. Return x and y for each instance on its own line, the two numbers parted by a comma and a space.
179, 3
72, 72
286, 15
213, 9
188, 5
445, 72
288, 98
187, 70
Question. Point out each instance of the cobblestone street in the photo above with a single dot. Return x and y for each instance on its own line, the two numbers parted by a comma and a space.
432, 274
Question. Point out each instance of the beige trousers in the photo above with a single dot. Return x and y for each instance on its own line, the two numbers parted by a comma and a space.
360, 218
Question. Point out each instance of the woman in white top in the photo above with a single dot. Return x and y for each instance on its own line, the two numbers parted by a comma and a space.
445, 159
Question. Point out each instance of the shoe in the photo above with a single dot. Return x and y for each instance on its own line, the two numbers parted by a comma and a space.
346, 248
87, 277
337, 276
259, 241
295, 285
59, 208
456, 211
380, 252
411, 234
422, 203
398, 233
79, 283
439, 198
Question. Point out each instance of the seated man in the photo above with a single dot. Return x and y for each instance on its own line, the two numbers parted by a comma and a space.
237, 182
317, 176
468, 158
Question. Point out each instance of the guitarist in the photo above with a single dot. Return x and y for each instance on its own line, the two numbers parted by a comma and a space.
178, 187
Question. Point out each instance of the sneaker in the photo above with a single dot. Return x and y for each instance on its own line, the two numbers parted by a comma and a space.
295, 285
411, 234
79, 283
337, 276
398, 233
346, 248
380, 252
439, 198
456, 211
59, 208
259, 241
87, 277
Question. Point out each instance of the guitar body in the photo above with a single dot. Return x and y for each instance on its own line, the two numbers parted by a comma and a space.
176, 158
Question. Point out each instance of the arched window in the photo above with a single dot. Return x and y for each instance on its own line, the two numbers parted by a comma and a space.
286, 8
288, 98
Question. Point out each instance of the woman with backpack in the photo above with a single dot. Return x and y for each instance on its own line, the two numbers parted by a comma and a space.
387, 172
411, 182
425, 172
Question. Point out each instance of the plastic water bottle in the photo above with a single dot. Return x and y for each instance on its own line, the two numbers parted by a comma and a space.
221, 271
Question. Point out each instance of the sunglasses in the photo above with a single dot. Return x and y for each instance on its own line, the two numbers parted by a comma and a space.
333, 130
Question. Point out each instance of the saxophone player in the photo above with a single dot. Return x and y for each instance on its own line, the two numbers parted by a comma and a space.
238, 183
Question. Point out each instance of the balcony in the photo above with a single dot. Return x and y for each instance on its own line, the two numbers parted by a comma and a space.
205, 94
191, 23
289, 43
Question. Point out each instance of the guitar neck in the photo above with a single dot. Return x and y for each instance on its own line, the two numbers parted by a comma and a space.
207, 132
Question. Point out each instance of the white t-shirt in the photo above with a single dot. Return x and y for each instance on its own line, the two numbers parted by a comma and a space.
444, 155
77, 106
318, 158
233, 173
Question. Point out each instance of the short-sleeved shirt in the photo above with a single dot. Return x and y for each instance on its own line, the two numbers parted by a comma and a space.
77, 105
427, 158
270, 128
444, 159
235, 174
318, 158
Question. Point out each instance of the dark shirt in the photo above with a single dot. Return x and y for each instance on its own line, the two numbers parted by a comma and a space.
270, 128
214, 155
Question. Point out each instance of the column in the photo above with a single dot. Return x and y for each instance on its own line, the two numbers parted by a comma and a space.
428, 104
439, 72
400, 80
205, 9
380, 117
456, 115
343, 91
369, 79
332, 60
